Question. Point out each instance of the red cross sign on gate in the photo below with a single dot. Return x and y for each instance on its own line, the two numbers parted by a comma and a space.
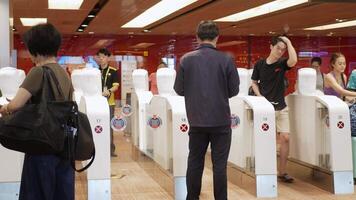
98, 129
265, 127
183, 128
340, 125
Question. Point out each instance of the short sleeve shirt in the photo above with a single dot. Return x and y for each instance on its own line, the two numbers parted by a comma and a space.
271, 81
109, 78
34, 79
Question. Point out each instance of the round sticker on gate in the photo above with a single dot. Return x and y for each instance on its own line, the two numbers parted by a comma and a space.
265, 127
126, 110
340, 124
235, 121
118, 123
98, 129
184, 128
154, 122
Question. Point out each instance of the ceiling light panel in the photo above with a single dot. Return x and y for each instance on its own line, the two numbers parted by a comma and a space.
157, 12
33, 21
64, 4
261, 10
332, 26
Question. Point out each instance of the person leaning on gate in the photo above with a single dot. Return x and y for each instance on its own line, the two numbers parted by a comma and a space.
110, 84
268, 80
44, 177
207, 78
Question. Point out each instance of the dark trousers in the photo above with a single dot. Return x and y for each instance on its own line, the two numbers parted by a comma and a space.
112, 145
220, 141
46, 177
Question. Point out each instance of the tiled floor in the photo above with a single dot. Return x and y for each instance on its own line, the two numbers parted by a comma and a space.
132, 181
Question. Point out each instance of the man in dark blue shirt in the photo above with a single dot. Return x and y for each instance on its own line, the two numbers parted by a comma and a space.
207, 78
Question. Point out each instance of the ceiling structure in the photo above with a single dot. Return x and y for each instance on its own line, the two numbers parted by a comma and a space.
116, 13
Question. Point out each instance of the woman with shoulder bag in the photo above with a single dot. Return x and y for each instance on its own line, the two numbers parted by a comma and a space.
44, 177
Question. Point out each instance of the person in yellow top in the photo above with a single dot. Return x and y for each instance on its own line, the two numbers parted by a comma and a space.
110, 84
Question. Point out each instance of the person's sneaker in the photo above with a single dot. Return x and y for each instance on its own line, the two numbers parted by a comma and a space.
286, 178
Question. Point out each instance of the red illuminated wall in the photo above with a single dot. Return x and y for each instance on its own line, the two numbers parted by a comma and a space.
176, 46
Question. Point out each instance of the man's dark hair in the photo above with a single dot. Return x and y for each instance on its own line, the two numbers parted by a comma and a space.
316, 59
276, 39
207, 30
43, 39
104, 51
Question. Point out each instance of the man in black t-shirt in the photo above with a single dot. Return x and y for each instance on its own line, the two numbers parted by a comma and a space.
268, 81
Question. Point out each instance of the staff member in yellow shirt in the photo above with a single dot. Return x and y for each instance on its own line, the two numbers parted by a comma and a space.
110, 84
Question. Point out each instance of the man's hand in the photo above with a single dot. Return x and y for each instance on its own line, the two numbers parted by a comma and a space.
106, 93
4, 110
285, 39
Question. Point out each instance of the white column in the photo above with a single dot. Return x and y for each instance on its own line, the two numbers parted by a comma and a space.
5, 33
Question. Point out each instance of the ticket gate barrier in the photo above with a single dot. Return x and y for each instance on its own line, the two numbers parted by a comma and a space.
12, 161
141, 138
252, 155
169, 126
97, 109
320, 139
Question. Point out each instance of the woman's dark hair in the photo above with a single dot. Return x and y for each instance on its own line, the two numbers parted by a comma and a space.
207, 30
334, 57
316, 59
276, 39
43, 39
104, 51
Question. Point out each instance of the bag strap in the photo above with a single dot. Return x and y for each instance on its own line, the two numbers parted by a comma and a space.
51, 78
72, 159
72, 146
343, 83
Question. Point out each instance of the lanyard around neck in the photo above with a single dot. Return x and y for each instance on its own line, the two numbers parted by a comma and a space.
106, 76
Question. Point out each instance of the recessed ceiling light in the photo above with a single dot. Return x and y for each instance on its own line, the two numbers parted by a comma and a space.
91, 16
64, 4
340, 20
80, 30
84, 25
261, 10
33, 21
158, 11
146, 31
333, 26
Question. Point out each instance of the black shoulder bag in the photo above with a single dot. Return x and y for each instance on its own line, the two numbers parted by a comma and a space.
42, 128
